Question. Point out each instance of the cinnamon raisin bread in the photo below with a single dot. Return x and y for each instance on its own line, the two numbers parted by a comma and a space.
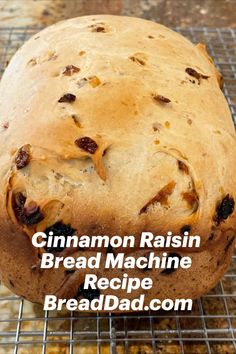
113, 126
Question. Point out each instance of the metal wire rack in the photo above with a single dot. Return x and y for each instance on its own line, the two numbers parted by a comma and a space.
210, 328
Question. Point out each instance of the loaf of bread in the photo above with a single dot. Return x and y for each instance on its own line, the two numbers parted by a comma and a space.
113, 126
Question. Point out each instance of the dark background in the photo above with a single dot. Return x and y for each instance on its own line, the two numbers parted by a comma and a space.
183, 13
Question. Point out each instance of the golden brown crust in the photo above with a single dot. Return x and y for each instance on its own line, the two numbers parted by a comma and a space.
110, 116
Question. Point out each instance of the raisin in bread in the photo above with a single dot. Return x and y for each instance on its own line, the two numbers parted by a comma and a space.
114, 125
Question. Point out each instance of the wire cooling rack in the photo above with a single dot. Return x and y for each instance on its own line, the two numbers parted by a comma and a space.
210, 328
